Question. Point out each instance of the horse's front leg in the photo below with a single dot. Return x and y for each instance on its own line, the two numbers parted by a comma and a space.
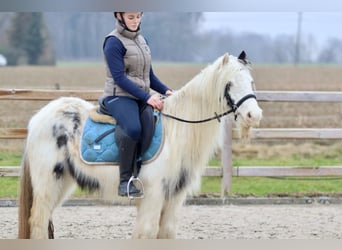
148, 214
169, 216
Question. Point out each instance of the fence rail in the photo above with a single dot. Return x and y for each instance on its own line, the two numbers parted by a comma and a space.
257, 133
241, 171
46, 95
92, 95
227, 170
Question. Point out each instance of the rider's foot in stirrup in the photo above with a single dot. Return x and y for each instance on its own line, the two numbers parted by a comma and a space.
133, 191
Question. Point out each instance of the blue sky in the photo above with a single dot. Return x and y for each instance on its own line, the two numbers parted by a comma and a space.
175, 5
322, 25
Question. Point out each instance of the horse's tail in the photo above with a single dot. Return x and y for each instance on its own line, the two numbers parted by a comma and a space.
25, 200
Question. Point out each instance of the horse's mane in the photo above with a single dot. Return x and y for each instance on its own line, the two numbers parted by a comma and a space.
197, 99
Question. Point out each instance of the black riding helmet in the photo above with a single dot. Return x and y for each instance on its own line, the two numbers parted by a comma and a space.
122, 21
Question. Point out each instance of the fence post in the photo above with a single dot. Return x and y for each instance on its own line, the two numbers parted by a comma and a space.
226, 158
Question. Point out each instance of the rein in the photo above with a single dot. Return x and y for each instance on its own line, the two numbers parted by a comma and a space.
230, 103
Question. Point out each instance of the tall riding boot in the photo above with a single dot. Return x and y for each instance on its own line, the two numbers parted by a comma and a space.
127, 158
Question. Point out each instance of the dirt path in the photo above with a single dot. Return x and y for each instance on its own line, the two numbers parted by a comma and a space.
196, 222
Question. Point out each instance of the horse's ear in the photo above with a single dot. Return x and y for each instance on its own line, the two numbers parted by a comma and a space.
225, 59
243, 58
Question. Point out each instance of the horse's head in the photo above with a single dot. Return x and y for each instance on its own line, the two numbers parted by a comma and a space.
238, 91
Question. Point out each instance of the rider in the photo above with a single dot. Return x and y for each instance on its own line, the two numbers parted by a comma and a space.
127, 97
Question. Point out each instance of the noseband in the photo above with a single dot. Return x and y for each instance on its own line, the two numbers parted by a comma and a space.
230, 102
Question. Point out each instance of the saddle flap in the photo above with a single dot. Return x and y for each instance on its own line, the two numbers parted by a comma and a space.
98, 143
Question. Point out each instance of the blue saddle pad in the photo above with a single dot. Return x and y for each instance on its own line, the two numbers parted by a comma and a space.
98, 144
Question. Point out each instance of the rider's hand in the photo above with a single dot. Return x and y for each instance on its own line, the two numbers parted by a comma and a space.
168, 92
155, 102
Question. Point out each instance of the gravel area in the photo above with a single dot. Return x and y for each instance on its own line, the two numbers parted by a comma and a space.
314, 221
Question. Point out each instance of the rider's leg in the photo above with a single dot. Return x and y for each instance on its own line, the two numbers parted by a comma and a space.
127, 157
127, 135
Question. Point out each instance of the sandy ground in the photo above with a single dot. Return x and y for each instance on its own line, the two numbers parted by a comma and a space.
313, 221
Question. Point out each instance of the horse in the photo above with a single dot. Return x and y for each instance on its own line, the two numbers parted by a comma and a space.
51, 166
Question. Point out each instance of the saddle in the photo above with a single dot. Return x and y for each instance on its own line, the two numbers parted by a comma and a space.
98, 144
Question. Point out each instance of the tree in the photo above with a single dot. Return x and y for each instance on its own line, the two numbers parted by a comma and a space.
28, 37
172, 36
283, 49
332, 52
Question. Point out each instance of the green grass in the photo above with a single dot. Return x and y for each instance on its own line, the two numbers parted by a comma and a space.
10, 158
241, 186
266, 186
8, 187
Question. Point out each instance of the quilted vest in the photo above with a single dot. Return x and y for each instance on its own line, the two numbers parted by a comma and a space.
137, 62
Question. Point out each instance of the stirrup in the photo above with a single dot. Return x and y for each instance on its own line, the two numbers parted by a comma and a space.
139, 195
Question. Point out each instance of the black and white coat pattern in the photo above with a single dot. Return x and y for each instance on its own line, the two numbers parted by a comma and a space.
52, 168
